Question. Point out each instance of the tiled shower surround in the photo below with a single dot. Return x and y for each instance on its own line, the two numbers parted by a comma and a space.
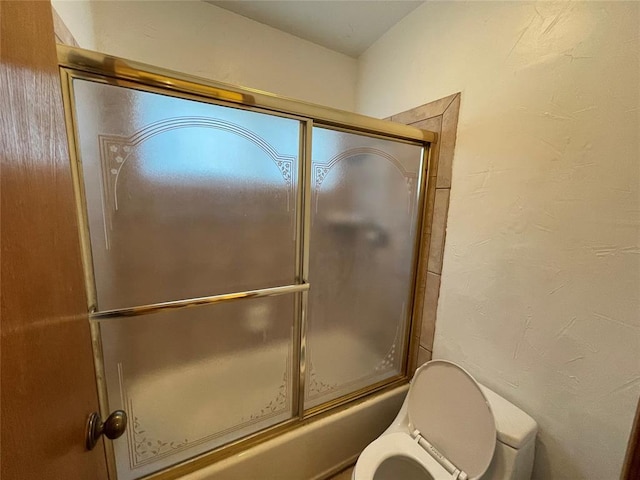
440, 116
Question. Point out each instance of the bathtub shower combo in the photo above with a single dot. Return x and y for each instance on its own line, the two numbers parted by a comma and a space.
250, 260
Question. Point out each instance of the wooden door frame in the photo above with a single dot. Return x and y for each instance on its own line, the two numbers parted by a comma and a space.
46, 361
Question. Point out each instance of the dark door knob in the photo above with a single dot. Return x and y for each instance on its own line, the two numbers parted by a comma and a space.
113, 427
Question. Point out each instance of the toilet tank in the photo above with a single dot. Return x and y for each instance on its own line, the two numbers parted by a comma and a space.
515, 446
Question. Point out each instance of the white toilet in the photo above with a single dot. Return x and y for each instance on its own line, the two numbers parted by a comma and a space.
450, 427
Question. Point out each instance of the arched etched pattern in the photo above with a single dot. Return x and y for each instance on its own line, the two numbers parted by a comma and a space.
321, 170
184, 198
115, 152
364, 217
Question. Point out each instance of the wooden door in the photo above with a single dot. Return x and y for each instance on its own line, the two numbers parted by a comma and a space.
48, 385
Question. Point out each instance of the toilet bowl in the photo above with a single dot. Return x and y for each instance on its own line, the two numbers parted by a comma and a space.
451, 427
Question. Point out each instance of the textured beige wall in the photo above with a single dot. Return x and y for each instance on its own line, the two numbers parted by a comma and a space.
201, 39
78, 18
540, 292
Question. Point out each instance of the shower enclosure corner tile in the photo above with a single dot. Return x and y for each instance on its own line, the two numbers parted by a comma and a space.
440, 116
424, 356
430, 310
447, 142
438, 229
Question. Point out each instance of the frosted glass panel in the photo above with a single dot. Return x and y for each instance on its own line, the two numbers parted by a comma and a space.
193, 379
363, 230
184, 198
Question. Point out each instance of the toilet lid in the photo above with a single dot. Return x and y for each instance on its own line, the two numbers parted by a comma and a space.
447, 406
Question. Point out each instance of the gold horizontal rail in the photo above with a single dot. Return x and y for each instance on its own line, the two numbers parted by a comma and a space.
195, 302
99, 63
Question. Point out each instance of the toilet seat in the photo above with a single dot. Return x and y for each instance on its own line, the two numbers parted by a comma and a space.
395, 445
450, 416
450, 429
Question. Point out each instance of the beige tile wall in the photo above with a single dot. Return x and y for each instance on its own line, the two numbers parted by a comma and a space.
440, 116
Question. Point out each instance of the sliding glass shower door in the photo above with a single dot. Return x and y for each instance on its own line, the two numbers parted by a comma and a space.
363, 233
246, 268
186, 200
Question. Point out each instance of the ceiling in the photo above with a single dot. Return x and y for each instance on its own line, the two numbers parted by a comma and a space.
349, 27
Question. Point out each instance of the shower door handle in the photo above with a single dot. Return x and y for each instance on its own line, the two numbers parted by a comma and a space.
112, 428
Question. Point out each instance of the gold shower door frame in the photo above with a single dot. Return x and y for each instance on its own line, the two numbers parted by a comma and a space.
76, 63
